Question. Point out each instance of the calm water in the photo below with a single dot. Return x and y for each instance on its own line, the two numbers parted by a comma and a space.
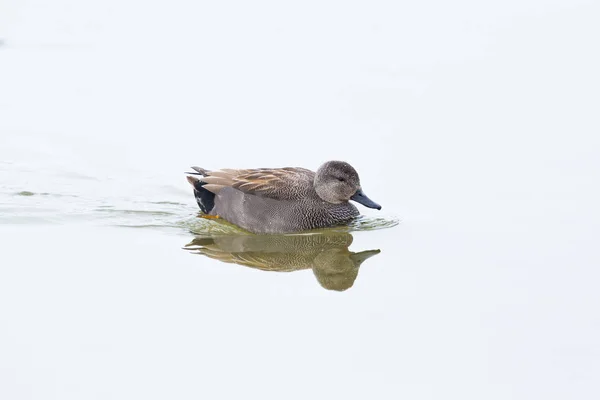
476, 129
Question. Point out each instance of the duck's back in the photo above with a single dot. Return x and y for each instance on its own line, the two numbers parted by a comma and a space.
290, 183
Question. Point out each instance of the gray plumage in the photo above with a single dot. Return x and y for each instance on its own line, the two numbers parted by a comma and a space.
281, 200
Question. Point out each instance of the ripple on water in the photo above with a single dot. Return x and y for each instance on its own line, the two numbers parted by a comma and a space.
201, 226
27, 193
364, 223
134, 212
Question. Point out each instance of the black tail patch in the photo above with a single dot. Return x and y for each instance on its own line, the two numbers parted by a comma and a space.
204, 198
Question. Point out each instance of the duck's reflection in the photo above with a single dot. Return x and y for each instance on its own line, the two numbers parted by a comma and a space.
327, 254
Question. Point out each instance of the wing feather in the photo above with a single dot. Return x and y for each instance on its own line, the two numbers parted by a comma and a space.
277, 183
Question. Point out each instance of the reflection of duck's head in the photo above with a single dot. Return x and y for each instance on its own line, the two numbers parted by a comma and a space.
326, 253
336, 269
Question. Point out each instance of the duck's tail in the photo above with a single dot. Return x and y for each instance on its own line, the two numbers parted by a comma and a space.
204, 198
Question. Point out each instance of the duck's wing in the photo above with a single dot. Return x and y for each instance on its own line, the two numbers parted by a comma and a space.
278, 183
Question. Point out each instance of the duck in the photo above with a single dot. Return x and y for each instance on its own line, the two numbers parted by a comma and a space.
281, 200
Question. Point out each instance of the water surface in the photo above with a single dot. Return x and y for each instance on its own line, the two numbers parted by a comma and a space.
475, 127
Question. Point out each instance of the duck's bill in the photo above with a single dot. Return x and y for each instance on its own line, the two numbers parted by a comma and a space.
362, 198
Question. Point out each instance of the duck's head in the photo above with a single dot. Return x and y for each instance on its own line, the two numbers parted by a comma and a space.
337, 182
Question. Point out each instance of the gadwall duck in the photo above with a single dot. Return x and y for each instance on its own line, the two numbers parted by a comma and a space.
281, 200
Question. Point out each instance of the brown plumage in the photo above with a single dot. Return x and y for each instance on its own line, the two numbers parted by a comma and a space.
277, 183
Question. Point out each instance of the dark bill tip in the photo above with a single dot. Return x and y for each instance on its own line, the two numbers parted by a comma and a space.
361, 198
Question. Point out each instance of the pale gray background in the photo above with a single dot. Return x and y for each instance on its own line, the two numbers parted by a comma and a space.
475, 123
